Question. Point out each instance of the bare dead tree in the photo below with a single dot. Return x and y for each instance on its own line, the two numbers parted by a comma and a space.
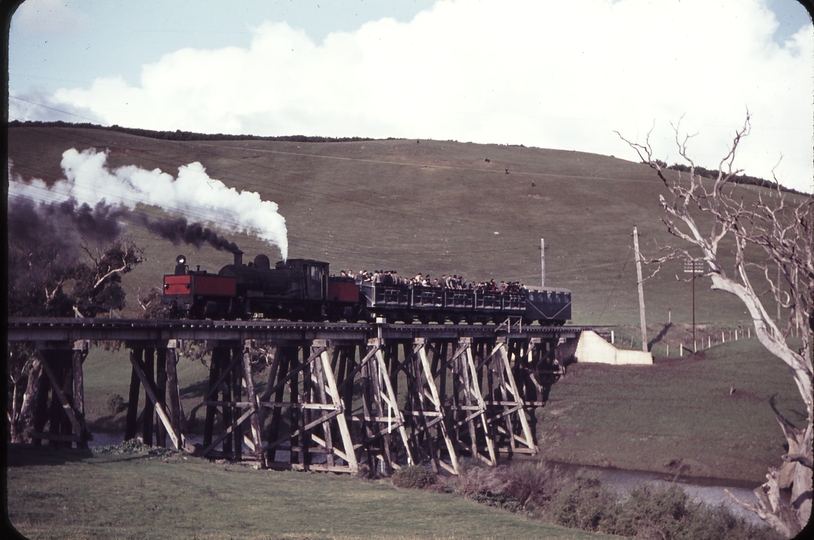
706, 212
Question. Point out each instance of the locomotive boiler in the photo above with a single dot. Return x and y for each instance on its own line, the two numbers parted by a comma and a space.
304, 290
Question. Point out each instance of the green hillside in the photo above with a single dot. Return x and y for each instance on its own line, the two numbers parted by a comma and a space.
425, 206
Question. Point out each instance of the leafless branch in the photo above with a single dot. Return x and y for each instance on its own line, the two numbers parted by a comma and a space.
784, 231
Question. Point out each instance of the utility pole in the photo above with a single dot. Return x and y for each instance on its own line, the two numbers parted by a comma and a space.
693, 267
642, 320
542, 259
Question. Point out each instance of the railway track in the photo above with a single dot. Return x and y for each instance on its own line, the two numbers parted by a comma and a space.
63, 329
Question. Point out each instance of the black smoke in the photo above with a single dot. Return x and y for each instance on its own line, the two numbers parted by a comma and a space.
45, 242
64, 226
178, 230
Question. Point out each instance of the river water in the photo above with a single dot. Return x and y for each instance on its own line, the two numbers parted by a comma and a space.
706, 490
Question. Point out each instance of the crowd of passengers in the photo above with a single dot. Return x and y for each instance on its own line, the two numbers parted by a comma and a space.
391, 277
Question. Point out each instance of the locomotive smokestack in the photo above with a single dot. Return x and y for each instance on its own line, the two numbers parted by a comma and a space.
238, 258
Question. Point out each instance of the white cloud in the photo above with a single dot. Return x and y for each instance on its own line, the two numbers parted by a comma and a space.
541, 73
39, 105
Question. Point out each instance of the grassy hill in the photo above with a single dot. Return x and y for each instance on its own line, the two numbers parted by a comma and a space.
425, 206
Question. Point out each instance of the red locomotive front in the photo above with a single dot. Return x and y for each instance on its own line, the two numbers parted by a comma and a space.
197, 294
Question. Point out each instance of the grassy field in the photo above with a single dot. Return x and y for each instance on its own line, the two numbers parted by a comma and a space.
71, 495
677, 416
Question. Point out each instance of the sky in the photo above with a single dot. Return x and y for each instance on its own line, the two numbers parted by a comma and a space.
542, 73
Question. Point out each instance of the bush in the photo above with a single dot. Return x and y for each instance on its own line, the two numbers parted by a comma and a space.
116, 404
658, 512
585, 504
534, 484
486, 485
477, 480
523, 486
414, 476
650, 511
654, 511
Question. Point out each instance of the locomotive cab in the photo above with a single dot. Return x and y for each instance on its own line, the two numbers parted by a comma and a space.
314, 276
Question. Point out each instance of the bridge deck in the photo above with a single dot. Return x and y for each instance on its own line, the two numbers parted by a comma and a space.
43, 329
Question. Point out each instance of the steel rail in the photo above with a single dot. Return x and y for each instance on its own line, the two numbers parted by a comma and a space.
157, 330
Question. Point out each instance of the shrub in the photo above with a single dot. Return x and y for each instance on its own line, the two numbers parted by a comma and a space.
584, 504
116, 404
649, 511
476, 481
653, 511
522, 486
666, 511
534, 483
487, 485
414, 476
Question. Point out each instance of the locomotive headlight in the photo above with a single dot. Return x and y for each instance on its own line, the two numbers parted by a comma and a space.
181, 259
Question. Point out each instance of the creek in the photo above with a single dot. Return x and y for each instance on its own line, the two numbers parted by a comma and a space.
706, 490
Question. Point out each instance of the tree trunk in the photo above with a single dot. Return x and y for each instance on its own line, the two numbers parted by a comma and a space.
794, 475
24, 420
784, 500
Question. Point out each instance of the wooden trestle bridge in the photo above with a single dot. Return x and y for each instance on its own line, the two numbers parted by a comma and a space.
336, 396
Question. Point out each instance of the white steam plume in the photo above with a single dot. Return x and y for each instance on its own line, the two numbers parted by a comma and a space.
193, 194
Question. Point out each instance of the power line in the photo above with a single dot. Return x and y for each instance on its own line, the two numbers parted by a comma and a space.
616, 284
51, 108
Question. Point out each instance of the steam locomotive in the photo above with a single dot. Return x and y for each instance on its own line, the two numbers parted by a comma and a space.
303, 290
